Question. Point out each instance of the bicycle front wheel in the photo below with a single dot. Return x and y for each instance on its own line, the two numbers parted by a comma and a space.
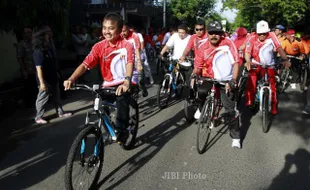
204, 126
303, 79
265, 111
180, 82
164, 92
86, 154
284, 80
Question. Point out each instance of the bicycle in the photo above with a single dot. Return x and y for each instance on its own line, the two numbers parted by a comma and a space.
262, 101
99, 130
286, 77
242, 84
173, 80
209, 118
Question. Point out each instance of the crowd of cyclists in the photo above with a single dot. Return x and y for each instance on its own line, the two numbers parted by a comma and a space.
123, 53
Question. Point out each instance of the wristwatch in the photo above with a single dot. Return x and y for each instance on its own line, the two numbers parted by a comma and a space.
128, 78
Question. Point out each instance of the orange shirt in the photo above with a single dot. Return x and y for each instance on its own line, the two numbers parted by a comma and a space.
160, 38
294, 48
281, 39
306, 44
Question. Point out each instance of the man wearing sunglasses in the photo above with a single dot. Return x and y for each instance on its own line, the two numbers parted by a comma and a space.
218, 58
259, 50
195, 39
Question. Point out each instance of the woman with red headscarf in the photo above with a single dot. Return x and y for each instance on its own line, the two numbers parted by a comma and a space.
239, 42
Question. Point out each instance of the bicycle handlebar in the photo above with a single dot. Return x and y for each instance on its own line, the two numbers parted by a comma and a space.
294, 57
94, 88
212, 80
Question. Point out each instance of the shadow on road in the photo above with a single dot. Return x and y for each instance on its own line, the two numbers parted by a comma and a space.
155, 140
149, 107
37, 152
295, 173
290, 118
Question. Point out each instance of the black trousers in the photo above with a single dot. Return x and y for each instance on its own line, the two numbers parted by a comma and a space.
122, 104
186, 72
228, 101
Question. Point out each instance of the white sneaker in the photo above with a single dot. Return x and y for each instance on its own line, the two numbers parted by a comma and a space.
293, 85
236, 143
151, 81
197, 114
306, 88
305, 112
277, 79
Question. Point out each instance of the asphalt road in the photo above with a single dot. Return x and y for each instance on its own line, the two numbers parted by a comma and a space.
165, 156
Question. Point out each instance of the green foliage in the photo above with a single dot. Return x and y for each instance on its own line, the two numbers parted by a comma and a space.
189, 10
17, 13
285, 12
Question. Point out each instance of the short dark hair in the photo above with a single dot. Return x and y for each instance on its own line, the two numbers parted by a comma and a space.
183, 27
114, 17
201, 22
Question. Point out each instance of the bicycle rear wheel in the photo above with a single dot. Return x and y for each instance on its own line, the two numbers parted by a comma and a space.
164, 92
265, 111
133, 125
204, 126
87, 153
179, 84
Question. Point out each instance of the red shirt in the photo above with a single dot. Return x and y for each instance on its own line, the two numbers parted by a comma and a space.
104, 54
148, 39
195, 41
133, 38
206, 53
254, 45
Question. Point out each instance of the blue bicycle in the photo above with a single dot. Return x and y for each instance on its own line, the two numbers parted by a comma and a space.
87, 150
173, 81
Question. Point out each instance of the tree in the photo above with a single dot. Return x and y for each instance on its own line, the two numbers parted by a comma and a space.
189, 10
285, 12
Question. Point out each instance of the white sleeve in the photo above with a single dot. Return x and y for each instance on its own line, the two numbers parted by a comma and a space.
166, 37
140, 38
171, 40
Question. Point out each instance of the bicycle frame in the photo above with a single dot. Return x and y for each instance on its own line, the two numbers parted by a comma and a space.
263, 84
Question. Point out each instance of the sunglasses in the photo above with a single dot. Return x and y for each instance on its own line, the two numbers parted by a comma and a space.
262, 34
214, 32
199, 29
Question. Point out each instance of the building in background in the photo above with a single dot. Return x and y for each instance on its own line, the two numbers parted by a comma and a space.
141, 13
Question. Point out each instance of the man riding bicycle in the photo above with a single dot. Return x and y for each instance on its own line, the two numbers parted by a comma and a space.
295, 48
116, 59
260, 49
217, 47
178, 41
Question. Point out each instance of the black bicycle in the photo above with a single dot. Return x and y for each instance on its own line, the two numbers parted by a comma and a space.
210, 117
87, 150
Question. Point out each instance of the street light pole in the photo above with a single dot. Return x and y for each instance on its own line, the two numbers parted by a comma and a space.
164, 13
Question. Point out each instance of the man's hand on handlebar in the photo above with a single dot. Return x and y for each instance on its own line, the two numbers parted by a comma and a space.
286, 63
248, 65
181, 59
67, 84
122, 88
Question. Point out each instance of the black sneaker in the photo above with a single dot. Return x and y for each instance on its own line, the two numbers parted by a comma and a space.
145, 93
123, 136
